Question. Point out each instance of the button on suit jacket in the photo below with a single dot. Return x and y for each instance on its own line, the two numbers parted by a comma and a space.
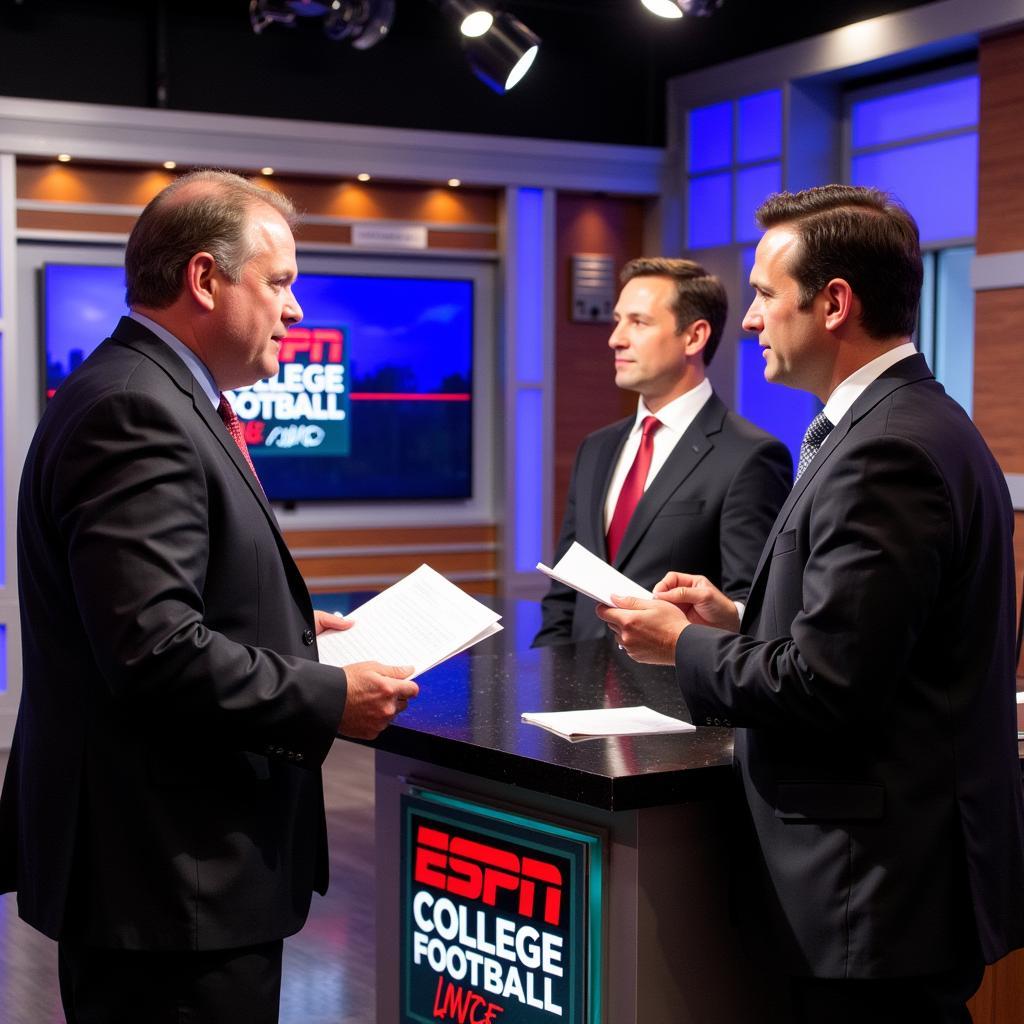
707, 511
872, 688
163, 789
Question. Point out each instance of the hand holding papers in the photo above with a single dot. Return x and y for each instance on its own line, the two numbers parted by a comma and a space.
588, 574
585, 725
420, 620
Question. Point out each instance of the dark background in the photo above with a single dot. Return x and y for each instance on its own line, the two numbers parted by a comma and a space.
600, 75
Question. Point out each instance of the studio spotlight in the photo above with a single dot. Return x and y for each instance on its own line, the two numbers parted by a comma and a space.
473, 19
501, 56
362, 22
663, 8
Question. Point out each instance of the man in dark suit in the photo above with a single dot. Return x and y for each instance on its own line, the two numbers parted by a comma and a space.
871, 679
162, 815
697, 485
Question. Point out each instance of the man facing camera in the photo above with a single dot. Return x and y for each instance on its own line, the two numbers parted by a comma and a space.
871, 681
162, 816
685, 481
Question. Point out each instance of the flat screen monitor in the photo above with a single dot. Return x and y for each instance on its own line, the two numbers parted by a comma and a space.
373, 398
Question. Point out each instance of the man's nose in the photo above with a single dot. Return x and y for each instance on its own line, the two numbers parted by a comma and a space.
292, 311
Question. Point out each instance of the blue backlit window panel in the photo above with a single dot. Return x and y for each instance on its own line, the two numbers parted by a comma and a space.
753, 186
529, 278
529, 481
710, 137
760, 126
775, 408
915, 112
3, 659
937, 181
710, 214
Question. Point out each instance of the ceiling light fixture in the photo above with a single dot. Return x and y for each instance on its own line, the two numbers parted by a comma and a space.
502, 55
663, 8
64, 158
266, 171
474, 19
454, 182
362, 176
169, 165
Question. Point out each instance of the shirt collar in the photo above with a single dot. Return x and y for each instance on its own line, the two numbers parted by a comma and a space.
196, 366
842, 399
678, 414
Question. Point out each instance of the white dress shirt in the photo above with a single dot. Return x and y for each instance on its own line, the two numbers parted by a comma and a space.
841, 400
675, 418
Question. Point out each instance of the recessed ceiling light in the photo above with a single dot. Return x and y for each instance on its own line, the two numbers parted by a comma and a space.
169, 165
363, 176
267, 171
64, 158
454, 182
476, 23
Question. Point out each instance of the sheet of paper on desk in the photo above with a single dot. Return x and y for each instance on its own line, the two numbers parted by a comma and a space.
584, 571
638, 721
421, 620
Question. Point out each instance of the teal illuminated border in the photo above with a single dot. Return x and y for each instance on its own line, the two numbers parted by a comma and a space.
595, 864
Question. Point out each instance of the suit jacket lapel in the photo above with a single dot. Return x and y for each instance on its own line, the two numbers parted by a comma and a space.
689, 451
907, 371
133, 334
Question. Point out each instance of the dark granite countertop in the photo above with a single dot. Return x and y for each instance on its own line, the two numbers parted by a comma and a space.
467, 718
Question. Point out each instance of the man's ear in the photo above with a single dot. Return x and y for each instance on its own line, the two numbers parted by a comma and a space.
201, 280
839, 299
695, 337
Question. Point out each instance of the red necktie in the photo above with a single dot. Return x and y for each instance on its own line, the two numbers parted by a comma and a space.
234, 425
632, 487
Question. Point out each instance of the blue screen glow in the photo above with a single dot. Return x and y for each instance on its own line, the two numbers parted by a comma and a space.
753, 186
710, 137
916, 112
760, 126
396, 419
710, 216
937, 182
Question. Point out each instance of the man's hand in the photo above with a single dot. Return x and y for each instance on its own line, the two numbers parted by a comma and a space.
376, 693
329, 620
702, 603
647, 630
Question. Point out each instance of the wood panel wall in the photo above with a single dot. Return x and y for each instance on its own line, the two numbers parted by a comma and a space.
456, 219
999, 361
585, 393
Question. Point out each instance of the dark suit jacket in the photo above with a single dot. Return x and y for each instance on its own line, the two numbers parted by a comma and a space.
163, 789
707, 511
873, 687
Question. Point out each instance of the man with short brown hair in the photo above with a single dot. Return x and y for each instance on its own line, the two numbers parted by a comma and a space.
871, 679
684, 481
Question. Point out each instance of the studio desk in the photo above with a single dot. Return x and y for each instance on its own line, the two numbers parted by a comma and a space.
524, 877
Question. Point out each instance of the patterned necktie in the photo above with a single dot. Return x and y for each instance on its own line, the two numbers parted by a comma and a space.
234, 425
632, 487
817, 430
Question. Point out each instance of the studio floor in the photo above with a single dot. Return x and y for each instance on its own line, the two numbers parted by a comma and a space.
328, 966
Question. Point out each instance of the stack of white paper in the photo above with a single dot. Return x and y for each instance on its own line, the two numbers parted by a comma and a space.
421, 620
579, 725
583, 571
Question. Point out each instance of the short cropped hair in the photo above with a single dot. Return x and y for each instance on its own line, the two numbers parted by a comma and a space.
862, 235
699, 295
173, 228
